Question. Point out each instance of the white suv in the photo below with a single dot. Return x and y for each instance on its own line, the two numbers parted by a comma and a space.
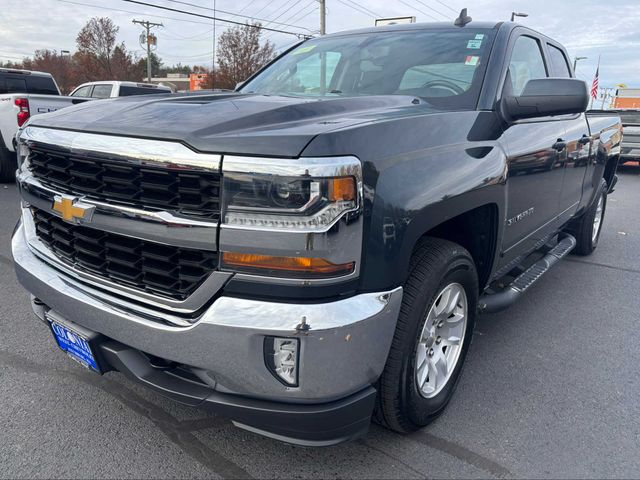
112, 89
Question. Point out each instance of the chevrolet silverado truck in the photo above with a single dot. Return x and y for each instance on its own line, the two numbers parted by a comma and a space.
311, 251
24, 93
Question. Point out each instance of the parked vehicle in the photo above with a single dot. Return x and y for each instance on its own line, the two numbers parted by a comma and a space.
23, 94
313, 249
113, 89
630, 148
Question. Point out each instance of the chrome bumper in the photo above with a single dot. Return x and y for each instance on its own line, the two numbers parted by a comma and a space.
343, 352
630, 151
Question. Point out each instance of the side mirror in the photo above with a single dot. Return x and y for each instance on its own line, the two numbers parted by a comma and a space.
238, 85
544, 97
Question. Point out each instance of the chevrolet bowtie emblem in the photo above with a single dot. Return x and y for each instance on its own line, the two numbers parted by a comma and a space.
70, 211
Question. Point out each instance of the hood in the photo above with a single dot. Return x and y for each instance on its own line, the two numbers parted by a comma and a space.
231, 123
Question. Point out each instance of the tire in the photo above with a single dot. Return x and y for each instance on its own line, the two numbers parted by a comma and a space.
436, 265
585, 229
8, 164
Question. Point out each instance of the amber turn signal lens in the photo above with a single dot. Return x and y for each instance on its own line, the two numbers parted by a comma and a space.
342, 189
285, 264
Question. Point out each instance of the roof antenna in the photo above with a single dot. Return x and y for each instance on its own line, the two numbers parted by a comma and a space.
463, 19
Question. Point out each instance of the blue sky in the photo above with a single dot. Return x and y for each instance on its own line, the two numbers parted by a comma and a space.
588, 28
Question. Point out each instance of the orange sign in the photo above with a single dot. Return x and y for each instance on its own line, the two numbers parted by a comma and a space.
626, 102
197, 81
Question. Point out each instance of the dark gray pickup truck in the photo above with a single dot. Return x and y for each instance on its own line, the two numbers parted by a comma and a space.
312, 250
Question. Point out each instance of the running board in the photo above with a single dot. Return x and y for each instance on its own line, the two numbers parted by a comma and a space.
495, 302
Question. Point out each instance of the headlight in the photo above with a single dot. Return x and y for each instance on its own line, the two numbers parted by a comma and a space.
257, 196
292, 218
22, 151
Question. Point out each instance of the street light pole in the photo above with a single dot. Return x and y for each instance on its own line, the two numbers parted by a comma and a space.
518, 14
576, 60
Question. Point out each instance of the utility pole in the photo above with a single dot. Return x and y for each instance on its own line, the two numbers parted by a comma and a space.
323, 55
323, 17
148, 26
213, 61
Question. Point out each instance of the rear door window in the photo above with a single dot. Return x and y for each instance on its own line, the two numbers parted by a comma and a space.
102, 91
82, 92
559, 62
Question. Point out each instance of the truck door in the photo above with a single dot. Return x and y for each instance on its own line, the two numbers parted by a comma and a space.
536, 150
577, 139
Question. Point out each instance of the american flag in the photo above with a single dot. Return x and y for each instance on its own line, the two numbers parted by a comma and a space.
594, 86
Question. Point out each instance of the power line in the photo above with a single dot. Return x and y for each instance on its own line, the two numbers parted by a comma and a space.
304, 15
135, 13
312, 2
432, 9
364, 8
357, 9
213, 18
285, 8
416, 8
231, 13
299, 19
445, 5
266, 5
175, 36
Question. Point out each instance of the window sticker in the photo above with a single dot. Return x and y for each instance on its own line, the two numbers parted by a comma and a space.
479, 36
472, 60
302, 50
474, 44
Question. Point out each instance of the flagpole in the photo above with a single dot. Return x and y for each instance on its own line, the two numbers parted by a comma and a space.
597, 77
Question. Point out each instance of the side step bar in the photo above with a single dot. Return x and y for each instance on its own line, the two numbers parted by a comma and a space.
495, 302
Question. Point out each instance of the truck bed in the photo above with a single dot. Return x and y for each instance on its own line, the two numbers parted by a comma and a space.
630, 147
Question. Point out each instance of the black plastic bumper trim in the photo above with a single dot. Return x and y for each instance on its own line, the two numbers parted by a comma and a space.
300, 424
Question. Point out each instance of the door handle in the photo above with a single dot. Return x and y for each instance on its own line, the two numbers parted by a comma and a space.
560, 145
584, 140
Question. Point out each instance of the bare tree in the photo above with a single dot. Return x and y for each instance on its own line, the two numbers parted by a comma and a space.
60, 66
240, 55
96, 43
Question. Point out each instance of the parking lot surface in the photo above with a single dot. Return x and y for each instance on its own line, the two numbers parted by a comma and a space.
550, 390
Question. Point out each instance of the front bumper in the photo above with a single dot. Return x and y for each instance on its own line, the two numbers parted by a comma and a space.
341, 355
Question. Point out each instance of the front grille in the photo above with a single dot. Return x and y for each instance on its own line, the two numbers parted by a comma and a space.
148, 266
188, 192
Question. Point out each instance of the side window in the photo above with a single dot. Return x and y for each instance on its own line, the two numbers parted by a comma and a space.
526, 63
558, 62
101, 91
82, 92
127, 91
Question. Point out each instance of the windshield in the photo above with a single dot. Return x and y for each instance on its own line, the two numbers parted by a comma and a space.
443, 66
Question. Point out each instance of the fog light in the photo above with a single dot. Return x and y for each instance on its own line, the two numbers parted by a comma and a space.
281, 357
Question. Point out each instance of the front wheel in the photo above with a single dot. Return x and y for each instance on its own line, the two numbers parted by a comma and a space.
432, 336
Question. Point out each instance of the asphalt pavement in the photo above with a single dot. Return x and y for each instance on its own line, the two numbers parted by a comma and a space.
550, 390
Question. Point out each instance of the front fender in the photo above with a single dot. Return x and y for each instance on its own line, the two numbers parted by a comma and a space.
422, 191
